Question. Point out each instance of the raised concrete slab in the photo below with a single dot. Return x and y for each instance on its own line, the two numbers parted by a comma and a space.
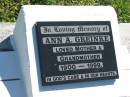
5, 45
11, 82
12, 88
9, 66
24, 36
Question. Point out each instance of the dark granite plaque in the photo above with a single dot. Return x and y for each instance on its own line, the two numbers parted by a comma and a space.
76, 51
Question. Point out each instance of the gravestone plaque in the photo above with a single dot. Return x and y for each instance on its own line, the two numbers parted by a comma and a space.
75, 51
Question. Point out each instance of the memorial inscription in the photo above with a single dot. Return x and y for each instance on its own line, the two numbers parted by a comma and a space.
76, 51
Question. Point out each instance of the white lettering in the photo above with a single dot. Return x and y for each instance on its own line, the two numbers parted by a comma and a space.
64, 49
74, 29
81, 76
76, 39
92, 65
81, 57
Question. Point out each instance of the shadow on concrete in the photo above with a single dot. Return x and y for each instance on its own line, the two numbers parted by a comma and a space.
10, 73
5, 45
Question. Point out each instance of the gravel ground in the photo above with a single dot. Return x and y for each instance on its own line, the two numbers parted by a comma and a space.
125, 34
6, 29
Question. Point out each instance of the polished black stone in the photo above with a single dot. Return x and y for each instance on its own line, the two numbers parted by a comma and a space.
56, 70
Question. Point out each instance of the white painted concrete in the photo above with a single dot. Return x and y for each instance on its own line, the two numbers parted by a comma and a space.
9, 69
91, 89
9, 61
25, 44
11, 82
12, 89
